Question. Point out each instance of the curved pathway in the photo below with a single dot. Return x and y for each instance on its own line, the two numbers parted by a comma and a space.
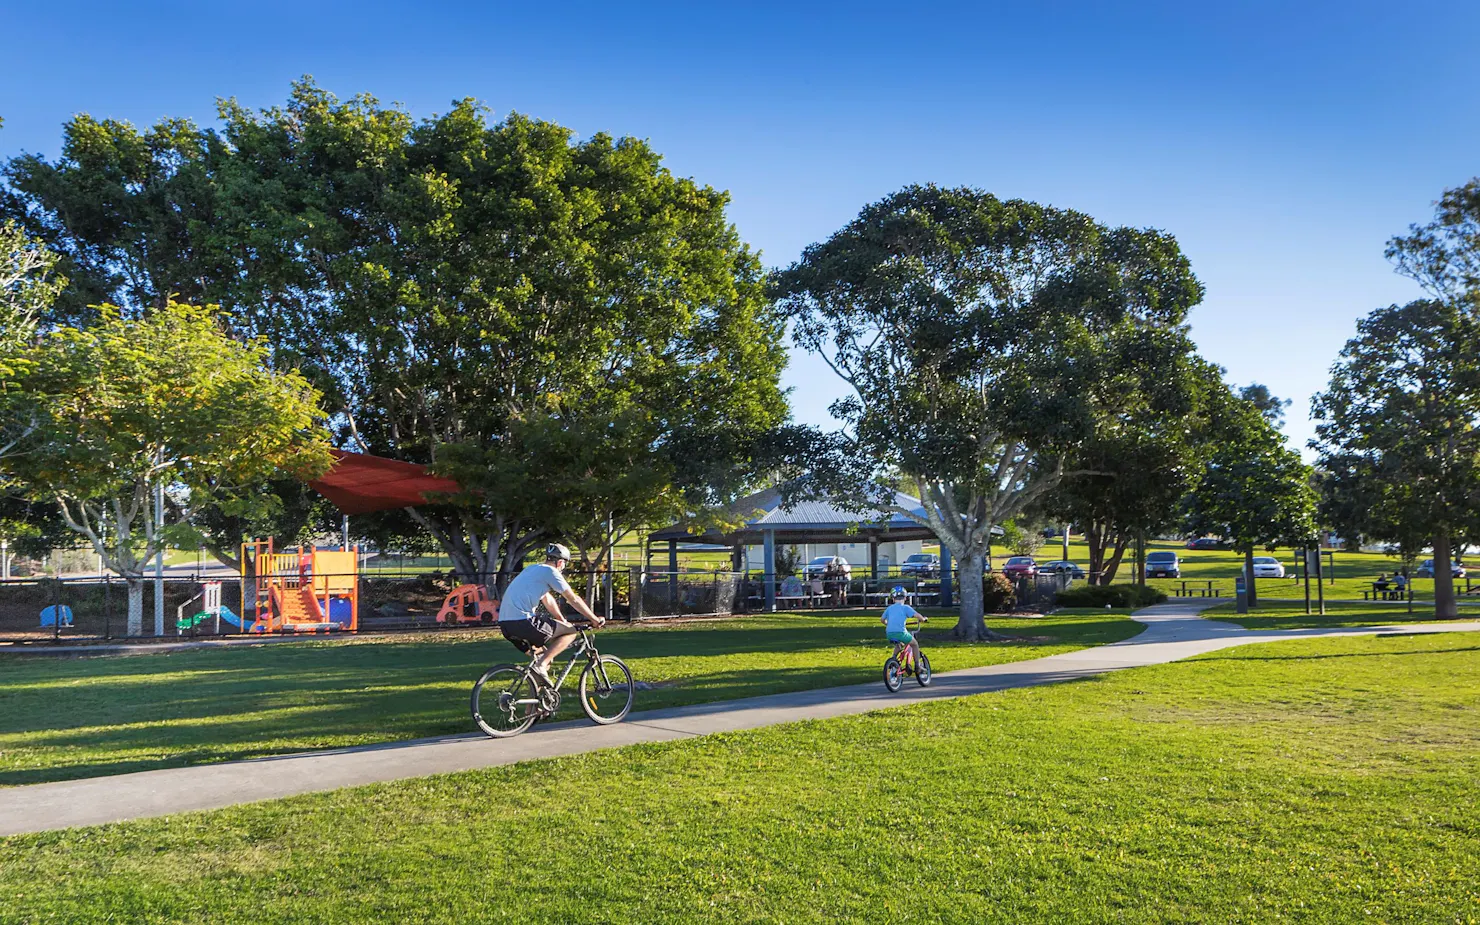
1173, 631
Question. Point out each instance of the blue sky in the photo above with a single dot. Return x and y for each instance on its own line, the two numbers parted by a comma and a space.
1281, 143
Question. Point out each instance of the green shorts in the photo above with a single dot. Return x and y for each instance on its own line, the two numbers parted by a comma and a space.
901, 636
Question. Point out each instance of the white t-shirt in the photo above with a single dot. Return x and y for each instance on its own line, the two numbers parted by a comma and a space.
524, 592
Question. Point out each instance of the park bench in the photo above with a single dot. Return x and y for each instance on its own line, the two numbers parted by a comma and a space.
1384, 594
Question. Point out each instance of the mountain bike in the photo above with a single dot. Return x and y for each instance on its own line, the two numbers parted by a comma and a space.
508, 699
902, 662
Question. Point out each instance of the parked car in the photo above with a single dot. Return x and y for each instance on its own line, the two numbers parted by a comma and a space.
818, 566
1427, 569
1062, 566
1163, 565
1019, 565
1204, 542
1268, 567
921, 565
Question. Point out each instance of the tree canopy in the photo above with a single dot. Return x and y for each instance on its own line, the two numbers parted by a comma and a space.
454, 288
985, 342
1397, 431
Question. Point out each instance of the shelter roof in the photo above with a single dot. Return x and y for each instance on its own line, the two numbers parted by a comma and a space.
359, 483
810, 521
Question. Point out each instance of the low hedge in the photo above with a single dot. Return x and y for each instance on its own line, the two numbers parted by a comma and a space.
1124, 595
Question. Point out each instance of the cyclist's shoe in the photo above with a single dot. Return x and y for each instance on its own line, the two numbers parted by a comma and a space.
542, 674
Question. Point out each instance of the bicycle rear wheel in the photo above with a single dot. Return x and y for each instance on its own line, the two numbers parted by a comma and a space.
505, 702
922, 671
893, 675
606, 689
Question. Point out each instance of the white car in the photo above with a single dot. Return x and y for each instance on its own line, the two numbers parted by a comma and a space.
818, 566
1268, 567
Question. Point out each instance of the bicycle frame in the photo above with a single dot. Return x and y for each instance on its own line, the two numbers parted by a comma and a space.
585, 646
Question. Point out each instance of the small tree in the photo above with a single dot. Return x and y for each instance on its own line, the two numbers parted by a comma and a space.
1255, 491
169, 401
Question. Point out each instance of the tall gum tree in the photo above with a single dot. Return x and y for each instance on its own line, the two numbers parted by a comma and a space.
983, 341
165, 400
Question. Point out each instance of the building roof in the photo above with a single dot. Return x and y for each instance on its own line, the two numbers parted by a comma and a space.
805, 522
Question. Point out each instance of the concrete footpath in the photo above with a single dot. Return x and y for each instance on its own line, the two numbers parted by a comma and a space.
1173, 631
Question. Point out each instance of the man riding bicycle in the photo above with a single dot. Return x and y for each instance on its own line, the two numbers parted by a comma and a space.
545, 634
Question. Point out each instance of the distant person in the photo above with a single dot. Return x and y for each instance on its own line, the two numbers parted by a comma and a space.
1400, 583
1381, 584
547, 634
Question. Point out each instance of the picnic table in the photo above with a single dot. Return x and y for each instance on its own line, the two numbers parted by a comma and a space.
1387, 592
1207, 589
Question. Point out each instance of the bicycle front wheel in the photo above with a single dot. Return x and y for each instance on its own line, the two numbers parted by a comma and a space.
893, 674
606, 690
505, 702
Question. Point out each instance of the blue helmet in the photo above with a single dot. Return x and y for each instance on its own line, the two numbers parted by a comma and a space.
898, 593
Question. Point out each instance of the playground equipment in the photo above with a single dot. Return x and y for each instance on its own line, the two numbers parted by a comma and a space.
305, 591
468, 604
211, 609
56, 615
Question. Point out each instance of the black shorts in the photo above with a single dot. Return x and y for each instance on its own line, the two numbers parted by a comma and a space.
535, 631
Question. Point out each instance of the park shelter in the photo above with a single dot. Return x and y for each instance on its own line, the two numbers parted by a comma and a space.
765, 520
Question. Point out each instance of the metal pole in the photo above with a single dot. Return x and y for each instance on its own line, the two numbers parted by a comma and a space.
107, 607
344, 529
158, 561
1305, 568
56, 610
5, 559
1066, 542
1320, 589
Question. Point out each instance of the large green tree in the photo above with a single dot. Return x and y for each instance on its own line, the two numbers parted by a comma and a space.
465, 287
1398, 430
166, 400
984, 341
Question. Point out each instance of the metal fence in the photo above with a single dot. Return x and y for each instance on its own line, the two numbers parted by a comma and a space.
90, 609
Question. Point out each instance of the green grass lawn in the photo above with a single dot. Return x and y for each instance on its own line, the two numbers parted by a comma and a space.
89, 717
1313, 781
1338, 613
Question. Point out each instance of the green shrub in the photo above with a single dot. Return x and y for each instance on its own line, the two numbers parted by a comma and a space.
998, 594
1123, 595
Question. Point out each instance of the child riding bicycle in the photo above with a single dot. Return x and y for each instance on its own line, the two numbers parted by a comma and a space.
895, 618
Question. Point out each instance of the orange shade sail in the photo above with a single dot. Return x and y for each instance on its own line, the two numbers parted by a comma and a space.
360, 483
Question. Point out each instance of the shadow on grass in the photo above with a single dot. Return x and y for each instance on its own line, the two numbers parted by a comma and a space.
1332, 655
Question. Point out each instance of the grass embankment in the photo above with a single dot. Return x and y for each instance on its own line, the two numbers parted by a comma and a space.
1338, 613
1319, 781
95, 716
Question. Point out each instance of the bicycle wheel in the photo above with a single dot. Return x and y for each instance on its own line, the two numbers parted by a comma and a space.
893, 674
922, 671
505, 702
606, 690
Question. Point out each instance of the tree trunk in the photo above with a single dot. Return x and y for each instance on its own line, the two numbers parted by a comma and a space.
1251, 584
1113, 566
1444, 605
135, 605
972, 625
1095, 537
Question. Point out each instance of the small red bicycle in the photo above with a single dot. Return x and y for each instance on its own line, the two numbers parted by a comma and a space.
902, 662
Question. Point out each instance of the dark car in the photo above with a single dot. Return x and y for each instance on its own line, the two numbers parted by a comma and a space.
1063, 566
1204, 542
1427, 569
922, 565
1019, 565
1163, 565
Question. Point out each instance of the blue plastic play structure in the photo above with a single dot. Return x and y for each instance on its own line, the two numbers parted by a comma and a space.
56, 615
